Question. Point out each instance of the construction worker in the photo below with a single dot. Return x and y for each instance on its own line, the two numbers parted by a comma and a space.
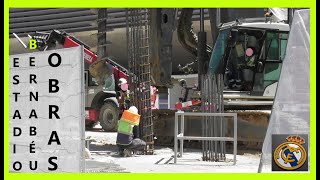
123, 94
127, 137
184, 90
233, 79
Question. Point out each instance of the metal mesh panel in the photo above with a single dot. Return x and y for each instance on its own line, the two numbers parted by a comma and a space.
138, 30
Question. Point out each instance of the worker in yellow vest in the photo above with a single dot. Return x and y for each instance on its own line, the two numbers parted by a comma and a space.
127, 137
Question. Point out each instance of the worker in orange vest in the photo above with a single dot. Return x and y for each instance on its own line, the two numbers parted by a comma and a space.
128, 135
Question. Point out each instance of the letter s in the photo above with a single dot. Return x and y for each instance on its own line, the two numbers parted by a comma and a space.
55, 166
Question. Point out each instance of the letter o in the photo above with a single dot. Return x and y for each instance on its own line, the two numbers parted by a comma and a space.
14, 166
50, 60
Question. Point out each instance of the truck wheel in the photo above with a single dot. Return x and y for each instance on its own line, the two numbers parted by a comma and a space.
109, 116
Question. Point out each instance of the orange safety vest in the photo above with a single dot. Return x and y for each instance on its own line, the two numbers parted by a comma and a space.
125, 127
130, 117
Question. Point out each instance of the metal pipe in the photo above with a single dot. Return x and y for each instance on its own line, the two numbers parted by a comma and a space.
210, 111
208, 126
50, 16
203, 93
213, 110
206, 138
205, 86
236, 139
215, 130
203, 119
45, 12
207, 114
223, 120
182, 132
201, 20
65, 20
209, 120
113, 10
218, 118
50, 27
213, 93
213, 23
207, 101
175, 146
15, 10
218, 20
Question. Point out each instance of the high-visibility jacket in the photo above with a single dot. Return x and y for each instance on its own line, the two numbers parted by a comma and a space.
130, 117
125, 127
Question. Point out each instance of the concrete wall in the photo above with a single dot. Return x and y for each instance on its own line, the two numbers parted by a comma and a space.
26, 112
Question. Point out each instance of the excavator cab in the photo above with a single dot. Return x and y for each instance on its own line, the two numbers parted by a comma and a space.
249, 55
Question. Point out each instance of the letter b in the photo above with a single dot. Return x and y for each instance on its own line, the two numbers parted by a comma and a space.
53, 86
32, 44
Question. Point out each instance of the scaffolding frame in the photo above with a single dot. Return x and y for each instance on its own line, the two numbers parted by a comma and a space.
180, 135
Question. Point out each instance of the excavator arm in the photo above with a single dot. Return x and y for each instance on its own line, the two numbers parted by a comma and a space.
187, 37
162, 24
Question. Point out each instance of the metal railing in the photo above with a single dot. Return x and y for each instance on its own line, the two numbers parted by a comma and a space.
180, 136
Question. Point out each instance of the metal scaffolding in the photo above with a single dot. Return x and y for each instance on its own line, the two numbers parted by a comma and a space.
138, 31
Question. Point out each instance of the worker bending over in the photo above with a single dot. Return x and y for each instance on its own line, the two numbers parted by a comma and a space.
127, 137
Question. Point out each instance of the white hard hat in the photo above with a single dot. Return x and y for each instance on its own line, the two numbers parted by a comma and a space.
133, 109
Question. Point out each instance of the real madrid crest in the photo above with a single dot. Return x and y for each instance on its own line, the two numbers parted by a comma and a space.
290, 155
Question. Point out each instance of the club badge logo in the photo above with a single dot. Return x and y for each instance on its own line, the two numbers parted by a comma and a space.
290, 155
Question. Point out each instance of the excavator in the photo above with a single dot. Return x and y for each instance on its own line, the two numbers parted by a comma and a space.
248, 55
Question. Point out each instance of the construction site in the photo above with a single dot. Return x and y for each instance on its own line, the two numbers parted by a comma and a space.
211, 85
